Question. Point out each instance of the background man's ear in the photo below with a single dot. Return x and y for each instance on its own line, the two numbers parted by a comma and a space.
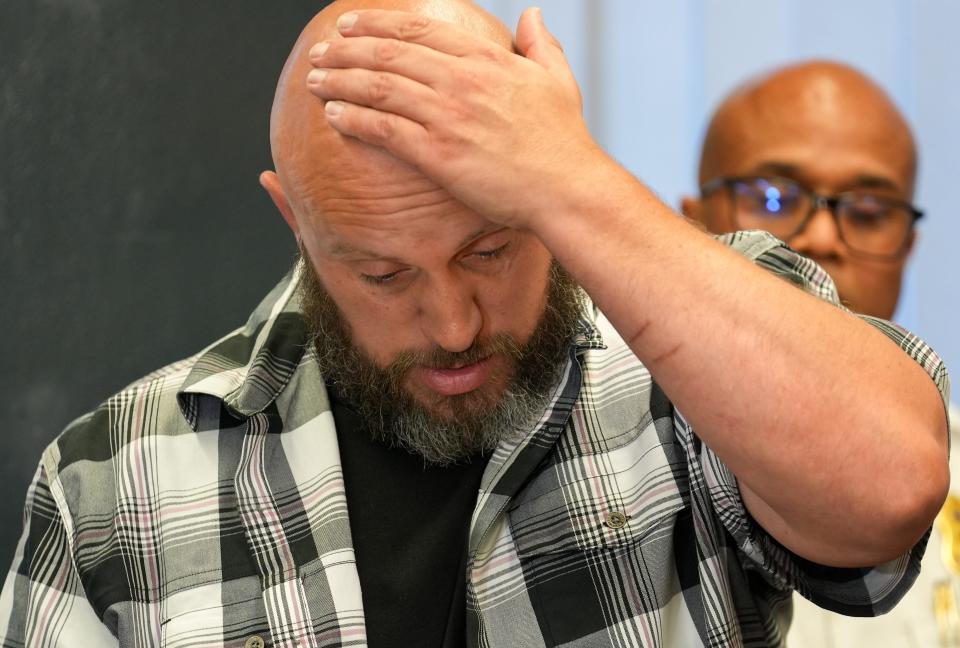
692, 210
690, 207
912, 243
270, 182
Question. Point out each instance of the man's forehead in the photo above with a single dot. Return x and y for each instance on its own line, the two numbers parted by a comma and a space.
819, 109
860, 175
379, 215
344, 245
804, 144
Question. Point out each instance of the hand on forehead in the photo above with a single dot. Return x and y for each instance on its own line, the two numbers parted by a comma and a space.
308, 154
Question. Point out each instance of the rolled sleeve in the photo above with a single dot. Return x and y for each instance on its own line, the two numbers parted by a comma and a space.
855, 592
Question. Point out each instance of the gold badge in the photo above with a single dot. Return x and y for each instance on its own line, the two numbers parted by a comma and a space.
948, 523
945, 611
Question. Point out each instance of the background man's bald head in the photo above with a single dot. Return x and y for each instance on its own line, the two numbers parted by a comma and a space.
306, 150
811, 99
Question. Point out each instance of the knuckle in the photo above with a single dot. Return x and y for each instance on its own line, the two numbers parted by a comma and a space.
387, 50
491, 53
414, 27
457, 112
379, 88
383, 128
448, 146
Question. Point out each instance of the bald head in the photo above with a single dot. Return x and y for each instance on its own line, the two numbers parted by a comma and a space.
829, 103
310, 156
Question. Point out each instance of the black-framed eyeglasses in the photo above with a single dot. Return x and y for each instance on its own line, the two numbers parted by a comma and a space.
869, 224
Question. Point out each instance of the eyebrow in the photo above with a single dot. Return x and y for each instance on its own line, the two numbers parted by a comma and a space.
343, 249
861, 181
868, 181
777, 168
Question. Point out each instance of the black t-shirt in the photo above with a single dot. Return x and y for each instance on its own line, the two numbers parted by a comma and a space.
409, 524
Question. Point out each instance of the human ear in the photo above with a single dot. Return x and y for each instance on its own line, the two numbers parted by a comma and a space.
270, 182
691, 208
911, 243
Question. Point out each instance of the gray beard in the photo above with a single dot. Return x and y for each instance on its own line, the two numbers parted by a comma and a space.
477, 422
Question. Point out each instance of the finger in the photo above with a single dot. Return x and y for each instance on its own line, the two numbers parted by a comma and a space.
400, 136
413, 61
383, 91
412, 28
536, 43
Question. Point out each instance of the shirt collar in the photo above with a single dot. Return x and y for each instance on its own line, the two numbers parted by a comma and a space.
588, 334
248, 368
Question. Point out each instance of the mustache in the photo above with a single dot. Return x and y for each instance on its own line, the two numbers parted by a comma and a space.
440, 358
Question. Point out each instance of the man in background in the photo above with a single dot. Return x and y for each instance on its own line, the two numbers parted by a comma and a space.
819, 155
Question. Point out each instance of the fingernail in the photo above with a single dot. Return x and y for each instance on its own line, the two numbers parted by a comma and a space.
316, 77
333, 108
346, 21
319, 50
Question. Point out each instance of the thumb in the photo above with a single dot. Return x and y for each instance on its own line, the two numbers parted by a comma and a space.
538, 44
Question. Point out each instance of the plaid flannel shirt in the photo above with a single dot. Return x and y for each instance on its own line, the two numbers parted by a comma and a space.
204, 505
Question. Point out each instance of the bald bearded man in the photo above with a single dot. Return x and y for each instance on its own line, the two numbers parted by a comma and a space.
819, 155
428, 435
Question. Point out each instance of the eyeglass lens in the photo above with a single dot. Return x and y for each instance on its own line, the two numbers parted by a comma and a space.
867, 223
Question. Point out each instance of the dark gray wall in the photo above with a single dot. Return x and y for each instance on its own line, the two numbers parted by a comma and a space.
132, 228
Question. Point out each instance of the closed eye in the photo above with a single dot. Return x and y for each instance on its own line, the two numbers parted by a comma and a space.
491, 254
380, 280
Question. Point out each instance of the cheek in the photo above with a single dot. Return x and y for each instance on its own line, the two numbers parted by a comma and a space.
381, 328
514, 303
872, 288
876, 277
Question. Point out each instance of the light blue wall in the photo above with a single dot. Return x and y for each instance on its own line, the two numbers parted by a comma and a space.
652, 71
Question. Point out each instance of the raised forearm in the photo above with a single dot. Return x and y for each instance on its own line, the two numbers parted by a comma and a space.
837, 437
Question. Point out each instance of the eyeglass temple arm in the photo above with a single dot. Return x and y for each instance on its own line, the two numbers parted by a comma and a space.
713, 185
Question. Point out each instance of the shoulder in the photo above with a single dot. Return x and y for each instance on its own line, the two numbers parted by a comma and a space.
777, 258
239, 374
85, 464
146, 406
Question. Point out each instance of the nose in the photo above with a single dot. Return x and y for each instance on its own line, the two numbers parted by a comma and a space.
449, 314
820, 237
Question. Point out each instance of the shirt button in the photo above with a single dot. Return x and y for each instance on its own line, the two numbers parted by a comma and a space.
616, 519
256, 641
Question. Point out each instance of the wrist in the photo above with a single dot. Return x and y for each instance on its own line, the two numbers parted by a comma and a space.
583, 185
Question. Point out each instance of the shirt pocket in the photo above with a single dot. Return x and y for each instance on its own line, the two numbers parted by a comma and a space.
596, 548
626, 496
217, 614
